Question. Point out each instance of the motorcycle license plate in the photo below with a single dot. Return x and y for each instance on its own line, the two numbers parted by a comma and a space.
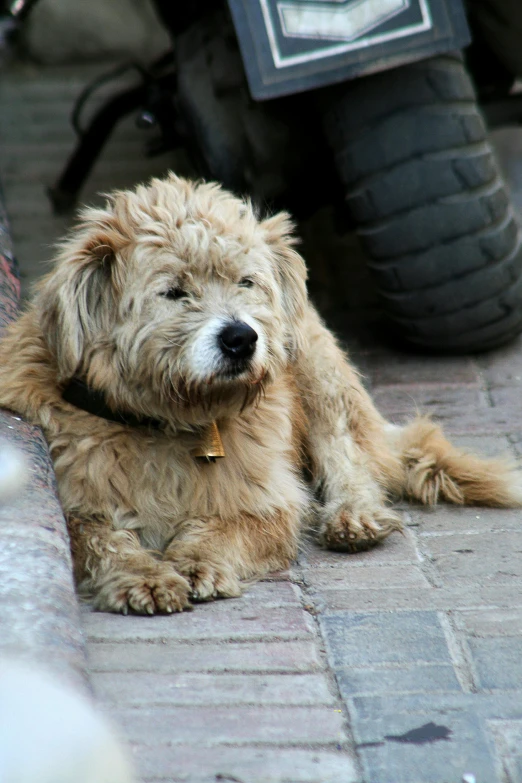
293, 45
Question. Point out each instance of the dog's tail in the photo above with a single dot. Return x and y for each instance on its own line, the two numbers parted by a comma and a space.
436, 470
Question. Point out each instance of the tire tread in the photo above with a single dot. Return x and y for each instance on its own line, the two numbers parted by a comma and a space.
432, 211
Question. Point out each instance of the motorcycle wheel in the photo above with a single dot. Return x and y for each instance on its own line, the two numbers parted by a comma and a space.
430, 206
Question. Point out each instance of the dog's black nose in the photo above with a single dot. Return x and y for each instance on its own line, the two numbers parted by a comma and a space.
238, 340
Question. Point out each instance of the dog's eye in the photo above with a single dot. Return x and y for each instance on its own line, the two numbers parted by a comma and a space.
246, 282
174, 293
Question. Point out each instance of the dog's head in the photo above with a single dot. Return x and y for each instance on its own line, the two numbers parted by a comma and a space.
175, 295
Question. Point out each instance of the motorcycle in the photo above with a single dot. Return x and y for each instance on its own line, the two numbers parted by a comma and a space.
368, 103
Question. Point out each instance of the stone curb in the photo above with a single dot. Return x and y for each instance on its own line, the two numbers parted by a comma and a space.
39, 614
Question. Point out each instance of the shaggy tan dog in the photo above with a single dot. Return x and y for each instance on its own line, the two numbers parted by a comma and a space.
174, 316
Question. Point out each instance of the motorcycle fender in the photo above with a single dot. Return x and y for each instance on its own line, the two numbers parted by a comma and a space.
290, 46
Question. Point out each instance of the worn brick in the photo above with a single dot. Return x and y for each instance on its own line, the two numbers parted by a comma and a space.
466, 715
507, 735
472, 595
277, 593
395, 549
503, 367
252, 765
267, 610
458, 520
269, 594
279, 576
126, 689
490, 421
492, 622
371, 708
438, 400
217, 621
396, 679
230, 726
484, 445
486, 705
515, 439
465, 750
494, 558
498, 661
364, 577
463, 420
355, 639
408, 369
374, 599
284, 657
507, 398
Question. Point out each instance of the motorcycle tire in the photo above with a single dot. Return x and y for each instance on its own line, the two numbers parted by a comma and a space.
429, 204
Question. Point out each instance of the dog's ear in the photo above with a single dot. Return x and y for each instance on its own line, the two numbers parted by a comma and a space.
291, 271
77, 300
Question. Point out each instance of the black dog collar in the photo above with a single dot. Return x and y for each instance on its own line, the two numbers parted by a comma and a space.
80, 395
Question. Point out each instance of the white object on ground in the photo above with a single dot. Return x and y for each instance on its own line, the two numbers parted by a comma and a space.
49, 733
13, 472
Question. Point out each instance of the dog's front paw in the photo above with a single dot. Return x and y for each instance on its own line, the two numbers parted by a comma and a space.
349, 528
208, 577
161, 592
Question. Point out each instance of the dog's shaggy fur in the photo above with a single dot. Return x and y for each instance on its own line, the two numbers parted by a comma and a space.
137, 306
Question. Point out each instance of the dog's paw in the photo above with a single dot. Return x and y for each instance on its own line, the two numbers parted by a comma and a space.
352, 529
162, 592
209, 579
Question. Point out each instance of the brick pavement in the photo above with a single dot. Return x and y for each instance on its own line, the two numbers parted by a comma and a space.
425, 630
399, 665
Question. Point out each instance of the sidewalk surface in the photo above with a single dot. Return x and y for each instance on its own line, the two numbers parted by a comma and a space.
399, 665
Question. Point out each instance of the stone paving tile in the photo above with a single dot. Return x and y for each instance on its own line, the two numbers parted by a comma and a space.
190, 690
491, 558
374, 712
441, 402
398, 548
210, 621
388, 755
492, 622
410, 369
357, 639
368, 577
507, 398
486, 446
503, 367
468, 596
498, 662
486, 706
355, 681
382, 723
471, 719
507, 736
274, 765
461, 409
515, 438
231, 726
448, 519
283, 657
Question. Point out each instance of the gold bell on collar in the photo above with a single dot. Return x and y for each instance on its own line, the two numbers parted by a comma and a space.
210, 447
